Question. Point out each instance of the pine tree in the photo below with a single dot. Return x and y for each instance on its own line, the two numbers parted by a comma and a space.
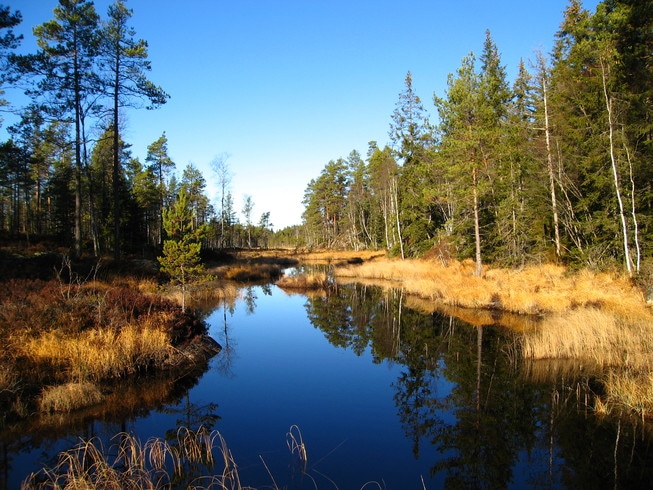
66, 63
181, 251
125, 62
161, 165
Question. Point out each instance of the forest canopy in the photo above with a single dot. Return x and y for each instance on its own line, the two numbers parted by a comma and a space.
551, 166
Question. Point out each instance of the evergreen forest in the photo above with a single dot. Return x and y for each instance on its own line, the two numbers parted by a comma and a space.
554, 165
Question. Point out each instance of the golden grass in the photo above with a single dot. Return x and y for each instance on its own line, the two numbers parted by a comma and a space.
252, 272
70, 396
304, 281
100, 353
592, 323
531, 290
596, 337
632, 390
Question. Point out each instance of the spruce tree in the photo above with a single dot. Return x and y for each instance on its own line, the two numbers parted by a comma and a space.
181, 251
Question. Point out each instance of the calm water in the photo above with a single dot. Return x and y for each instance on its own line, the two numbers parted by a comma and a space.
378, 392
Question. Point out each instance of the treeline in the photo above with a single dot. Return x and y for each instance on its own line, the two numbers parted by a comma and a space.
553, 166
66, 173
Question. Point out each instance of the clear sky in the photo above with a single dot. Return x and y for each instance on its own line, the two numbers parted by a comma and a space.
284, 86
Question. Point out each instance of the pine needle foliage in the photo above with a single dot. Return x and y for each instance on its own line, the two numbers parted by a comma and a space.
181, 251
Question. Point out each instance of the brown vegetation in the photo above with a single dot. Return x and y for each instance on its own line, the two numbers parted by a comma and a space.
61, 334
534, 290
304, 282
594, 323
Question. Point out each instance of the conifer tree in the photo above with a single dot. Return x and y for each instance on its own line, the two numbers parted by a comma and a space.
66, 62
125, 62
161, 164
181, 251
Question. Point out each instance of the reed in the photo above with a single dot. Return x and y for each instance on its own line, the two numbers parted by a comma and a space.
69, 396
99, 353
304, 281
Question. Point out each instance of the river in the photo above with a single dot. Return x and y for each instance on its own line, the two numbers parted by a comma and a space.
380, 394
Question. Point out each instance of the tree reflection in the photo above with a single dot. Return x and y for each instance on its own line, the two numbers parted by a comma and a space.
459, 392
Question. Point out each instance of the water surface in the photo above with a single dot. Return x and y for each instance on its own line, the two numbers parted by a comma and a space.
377, 392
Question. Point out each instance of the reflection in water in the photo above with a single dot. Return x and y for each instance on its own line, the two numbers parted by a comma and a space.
472, 415
461, 393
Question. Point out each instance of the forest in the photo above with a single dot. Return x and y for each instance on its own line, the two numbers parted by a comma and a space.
553, 166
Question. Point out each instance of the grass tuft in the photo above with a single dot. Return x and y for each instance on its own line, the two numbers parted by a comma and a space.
69, 397
304, 281
100, 353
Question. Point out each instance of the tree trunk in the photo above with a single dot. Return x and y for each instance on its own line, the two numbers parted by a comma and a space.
549, 160
615, 173
477, 225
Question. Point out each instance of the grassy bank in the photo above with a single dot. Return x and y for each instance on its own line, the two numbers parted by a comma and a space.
63, 335
596, 324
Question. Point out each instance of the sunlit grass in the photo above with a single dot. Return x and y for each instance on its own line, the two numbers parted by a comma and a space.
531, 290
592, 323
99, 353
304, 281
630, 389
69, 397
596, 337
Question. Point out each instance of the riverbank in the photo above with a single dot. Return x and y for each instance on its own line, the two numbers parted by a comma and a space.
593, 325
68, 328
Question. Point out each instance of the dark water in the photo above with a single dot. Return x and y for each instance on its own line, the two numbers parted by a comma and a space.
377, 391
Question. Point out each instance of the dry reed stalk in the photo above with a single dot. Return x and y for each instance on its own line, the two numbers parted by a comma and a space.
100, 353
304, 281
69, 397
538, 290
129, 464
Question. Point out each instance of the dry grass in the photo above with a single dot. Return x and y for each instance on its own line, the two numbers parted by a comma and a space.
594, 324
532, 290
252, 272
304, 281
130, 464
596, 337
69, 397
100, 353
155, 464
606, 345
632, 390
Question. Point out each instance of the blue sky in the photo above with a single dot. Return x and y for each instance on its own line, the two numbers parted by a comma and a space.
284, 86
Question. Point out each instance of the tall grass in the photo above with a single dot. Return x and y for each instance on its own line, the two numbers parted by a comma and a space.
130, 464
100, 353
531, 290
69, 397
596, 337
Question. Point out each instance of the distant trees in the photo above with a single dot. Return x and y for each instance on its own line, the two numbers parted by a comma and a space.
552, 167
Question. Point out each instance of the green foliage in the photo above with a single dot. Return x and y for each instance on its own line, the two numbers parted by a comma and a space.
181, 251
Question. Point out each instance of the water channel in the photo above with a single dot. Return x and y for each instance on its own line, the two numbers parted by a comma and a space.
376, 390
